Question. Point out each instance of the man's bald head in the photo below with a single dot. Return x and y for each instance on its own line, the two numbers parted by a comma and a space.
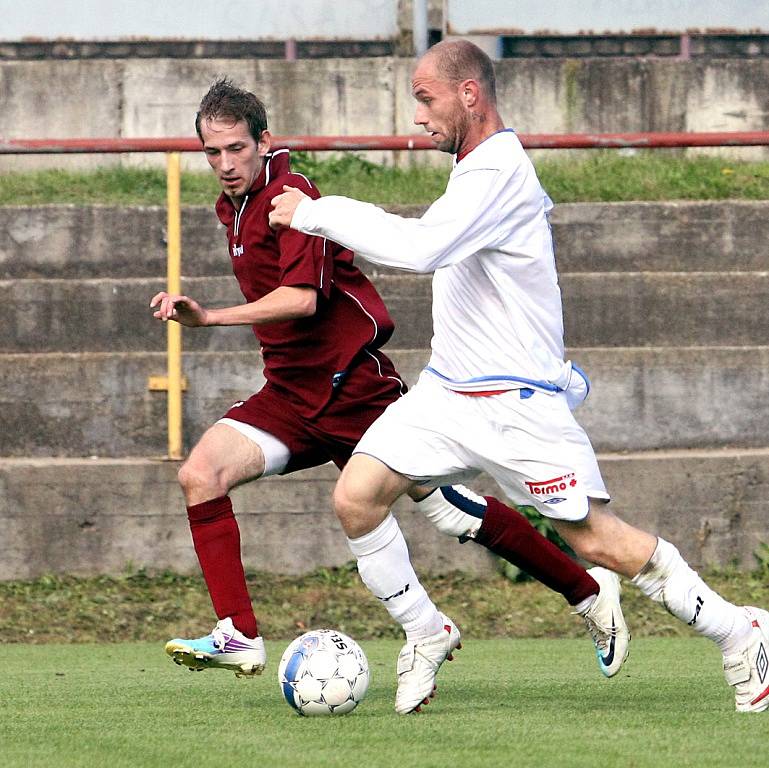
458, 60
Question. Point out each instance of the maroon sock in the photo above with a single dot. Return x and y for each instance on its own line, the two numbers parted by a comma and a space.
216, 537
507, 533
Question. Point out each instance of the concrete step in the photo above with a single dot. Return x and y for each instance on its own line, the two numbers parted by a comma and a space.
608, 309
63, 241
99, 315
87, 516
678, 236
628, 309
83, 404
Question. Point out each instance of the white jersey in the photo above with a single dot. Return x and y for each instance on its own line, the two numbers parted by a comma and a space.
497, 316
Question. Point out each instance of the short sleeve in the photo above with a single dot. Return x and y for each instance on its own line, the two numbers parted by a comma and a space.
305, 260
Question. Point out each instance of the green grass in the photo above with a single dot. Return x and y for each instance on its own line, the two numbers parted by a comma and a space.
610, 176
524, 691
154, 607
590, 176
116, 186
512, 703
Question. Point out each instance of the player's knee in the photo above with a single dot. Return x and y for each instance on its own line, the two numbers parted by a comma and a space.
187, 476
600, 549
197, 476
591, 549
586, 542
346, 505
600, 539
357, 513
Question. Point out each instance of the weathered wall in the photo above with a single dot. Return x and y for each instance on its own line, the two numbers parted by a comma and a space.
665, 307
91, 516
158, 97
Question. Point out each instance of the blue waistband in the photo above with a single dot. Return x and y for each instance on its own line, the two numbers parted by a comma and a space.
546, 385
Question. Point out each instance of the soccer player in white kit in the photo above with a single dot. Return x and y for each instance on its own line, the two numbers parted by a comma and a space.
497, 393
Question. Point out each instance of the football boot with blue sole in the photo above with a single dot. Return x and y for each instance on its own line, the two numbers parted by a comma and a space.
224, 648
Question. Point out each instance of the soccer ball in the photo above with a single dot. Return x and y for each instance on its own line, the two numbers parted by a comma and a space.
323, 672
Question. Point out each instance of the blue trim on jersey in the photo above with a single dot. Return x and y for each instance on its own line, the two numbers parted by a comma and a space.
546, 385
584, 376
456, 499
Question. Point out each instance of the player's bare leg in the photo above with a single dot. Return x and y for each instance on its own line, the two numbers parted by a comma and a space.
362, 500
656, 567
604, 539
221, 460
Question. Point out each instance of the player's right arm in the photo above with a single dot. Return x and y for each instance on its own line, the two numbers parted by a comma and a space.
284, 303
461, 222
174, 306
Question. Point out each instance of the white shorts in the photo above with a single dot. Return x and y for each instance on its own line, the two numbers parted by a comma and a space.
276, 453
531, 445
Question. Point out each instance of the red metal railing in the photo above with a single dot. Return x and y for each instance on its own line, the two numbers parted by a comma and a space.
421, 141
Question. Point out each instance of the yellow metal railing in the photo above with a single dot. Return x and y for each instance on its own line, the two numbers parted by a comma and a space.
174, 330
174, 382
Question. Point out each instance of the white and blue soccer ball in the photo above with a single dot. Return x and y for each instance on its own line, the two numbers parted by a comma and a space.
323, 672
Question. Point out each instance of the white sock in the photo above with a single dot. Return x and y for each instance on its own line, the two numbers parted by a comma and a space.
583, 606
384, 566
447, 516
667, 579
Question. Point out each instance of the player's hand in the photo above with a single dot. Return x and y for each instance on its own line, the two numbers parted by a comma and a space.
284, 205
183, 309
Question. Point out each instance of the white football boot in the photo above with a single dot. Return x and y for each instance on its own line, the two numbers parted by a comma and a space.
606, 624
225, 648
418, 664
748, 669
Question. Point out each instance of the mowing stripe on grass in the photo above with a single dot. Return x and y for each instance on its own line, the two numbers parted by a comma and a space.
501, 702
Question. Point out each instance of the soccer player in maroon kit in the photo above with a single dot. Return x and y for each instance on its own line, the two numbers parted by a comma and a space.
321, 325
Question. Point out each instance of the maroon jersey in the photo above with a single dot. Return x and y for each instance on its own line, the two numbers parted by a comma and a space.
307, 358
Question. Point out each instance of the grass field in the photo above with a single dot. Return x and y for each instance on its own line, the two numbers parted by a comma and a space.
605, 175
500, 703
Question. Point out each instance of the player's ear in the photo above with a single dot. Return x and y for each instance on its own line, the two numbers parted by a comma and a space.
469, 92
264, 144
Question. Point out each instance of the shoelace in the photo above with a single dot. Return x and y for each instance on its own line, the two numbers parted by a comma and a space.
220, 638
599, 633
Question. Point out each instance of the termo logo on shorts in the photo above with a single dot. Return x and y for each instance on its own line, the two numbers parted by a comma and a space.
549, 487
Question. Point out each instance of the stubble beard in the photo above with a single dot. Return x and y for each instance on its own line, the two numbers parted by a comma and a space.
460, 127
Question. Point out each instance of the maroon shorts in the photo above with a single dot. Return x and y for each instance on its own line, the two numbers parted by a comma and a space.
368, 388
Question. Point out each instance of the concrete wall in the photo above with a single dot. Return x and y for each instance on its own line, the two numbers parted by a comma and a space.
665, 307
89, 516
70, 241
159, 97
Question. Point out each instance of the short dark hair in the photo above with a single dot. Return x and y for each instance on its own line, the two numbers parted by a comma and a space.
225, 100
459, 60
